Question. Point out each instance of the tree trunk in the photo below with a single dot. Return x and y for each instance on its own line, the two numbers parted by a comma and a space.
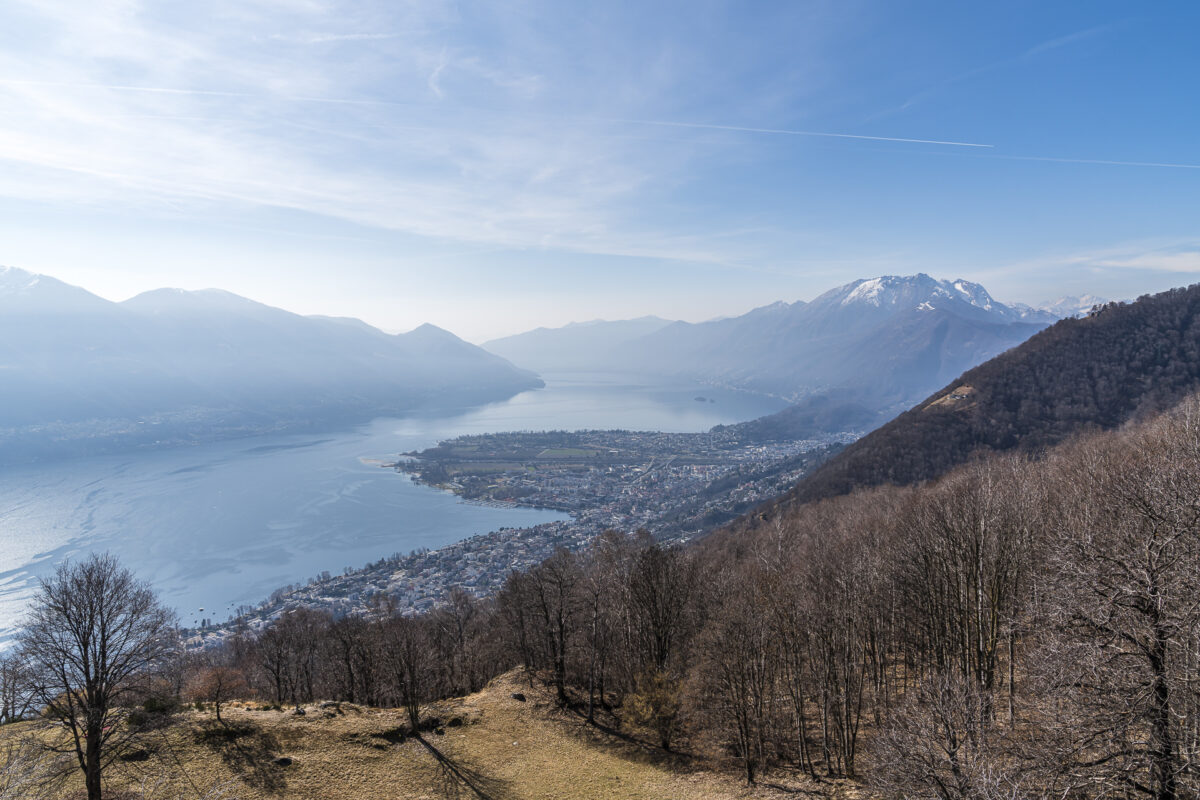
92, 763
1162, 742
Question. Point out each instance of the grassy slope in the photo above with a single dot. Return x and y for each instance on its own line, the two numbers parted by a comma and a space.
505, 748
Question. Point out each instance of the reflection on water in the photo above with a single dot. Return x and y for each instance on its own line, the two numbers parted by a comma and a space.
222, 524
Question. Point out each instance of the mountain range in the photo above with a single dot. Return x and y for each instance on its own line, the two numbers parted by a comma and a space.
858, 353
80, 373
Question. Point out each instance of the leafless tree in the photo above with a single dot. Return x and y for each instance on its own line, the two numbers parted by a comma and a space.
943, 742
1119, 649
354, 655
553, 589
16, 698
217, 684
740, 670
94, 631
406, 657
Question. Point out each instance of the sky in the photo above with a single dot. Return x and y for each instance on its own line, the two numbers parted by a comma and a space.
493, 167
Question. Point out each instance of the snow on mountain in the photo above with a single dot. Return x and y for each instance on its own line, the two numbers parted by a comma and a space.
920, 291
26, 292
975, 294
1073, 306
885, 340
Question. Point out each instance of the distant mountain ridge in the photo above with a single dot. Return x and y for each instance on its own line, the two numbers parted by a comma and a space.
171, 365
1065, 307
856, 354
578, 346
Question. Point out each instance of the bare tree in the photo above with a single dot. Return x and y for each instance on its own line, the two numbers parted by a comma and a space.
739, 672
1122, 612
16, 699
942, 742
94, 631
406, 658
217, 684
554, 586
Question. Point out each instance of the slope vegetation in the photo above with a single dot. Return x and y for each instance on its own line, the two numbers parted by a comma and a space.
489, 746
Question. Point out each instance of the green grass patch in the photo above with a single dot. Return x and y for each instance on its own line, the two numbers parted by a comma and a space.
567, 452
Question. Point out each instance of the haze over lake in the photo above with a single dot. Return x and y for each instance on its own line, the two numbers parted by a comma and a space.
226, 523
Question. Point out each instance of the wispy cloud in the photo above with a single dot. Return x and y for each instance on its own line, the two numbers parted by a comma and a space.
1180, 258
325, 38
486, 127
425, 134
1161, 255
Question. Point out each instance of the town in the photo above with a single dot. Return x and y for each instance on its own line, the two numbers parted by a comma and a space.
674, 486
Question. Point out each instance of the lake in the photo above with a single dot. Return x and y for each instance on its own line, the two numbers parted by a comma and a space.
218, 525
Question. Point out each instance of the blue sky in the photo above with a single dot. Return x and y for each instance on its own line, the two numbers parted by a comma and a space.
491, 167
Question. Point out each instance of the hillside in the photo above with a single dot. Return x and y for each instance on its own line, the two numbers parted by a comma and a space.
578, 346
1123, 362
490, 746
82, 374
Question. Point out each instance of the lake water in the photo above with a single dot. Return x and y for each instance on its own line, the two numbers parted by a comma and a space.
218, 525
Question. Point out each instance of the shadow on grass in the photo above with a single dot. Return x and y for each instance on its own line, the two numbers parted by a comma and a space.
460, 779
609, 735
391, 736
779, 787
248, 751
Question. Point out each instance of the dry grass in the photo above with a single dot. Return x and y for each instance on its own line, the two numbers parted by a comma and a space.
492, 746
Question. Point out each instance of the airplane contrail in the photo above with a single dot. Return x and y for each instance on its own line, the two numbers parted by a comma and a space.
787, 132
1164, 164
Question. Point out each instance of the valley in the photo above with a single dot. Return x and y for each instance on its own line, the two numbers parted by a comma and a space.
675, 487
568, 401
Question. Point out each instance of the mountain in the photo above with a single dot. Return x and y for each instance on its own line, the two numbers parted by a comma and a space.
171, 365
849, 360
880, 343
574, 347
1119, 363
877, 345
1073, 306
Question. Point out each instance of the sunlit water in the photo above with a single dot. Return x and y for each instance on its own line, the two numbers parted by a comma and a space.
222, 524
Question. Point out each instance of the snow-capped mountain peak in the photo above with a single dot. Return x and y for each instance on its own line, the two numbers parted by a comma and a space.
888, 294
913, 291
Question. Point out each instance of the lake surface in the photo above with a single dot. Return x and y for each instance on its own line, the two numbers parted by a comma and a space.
222, 524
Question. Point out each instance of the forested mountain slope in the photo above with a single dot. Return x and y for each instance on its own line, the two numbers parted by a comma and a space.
1122, 362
